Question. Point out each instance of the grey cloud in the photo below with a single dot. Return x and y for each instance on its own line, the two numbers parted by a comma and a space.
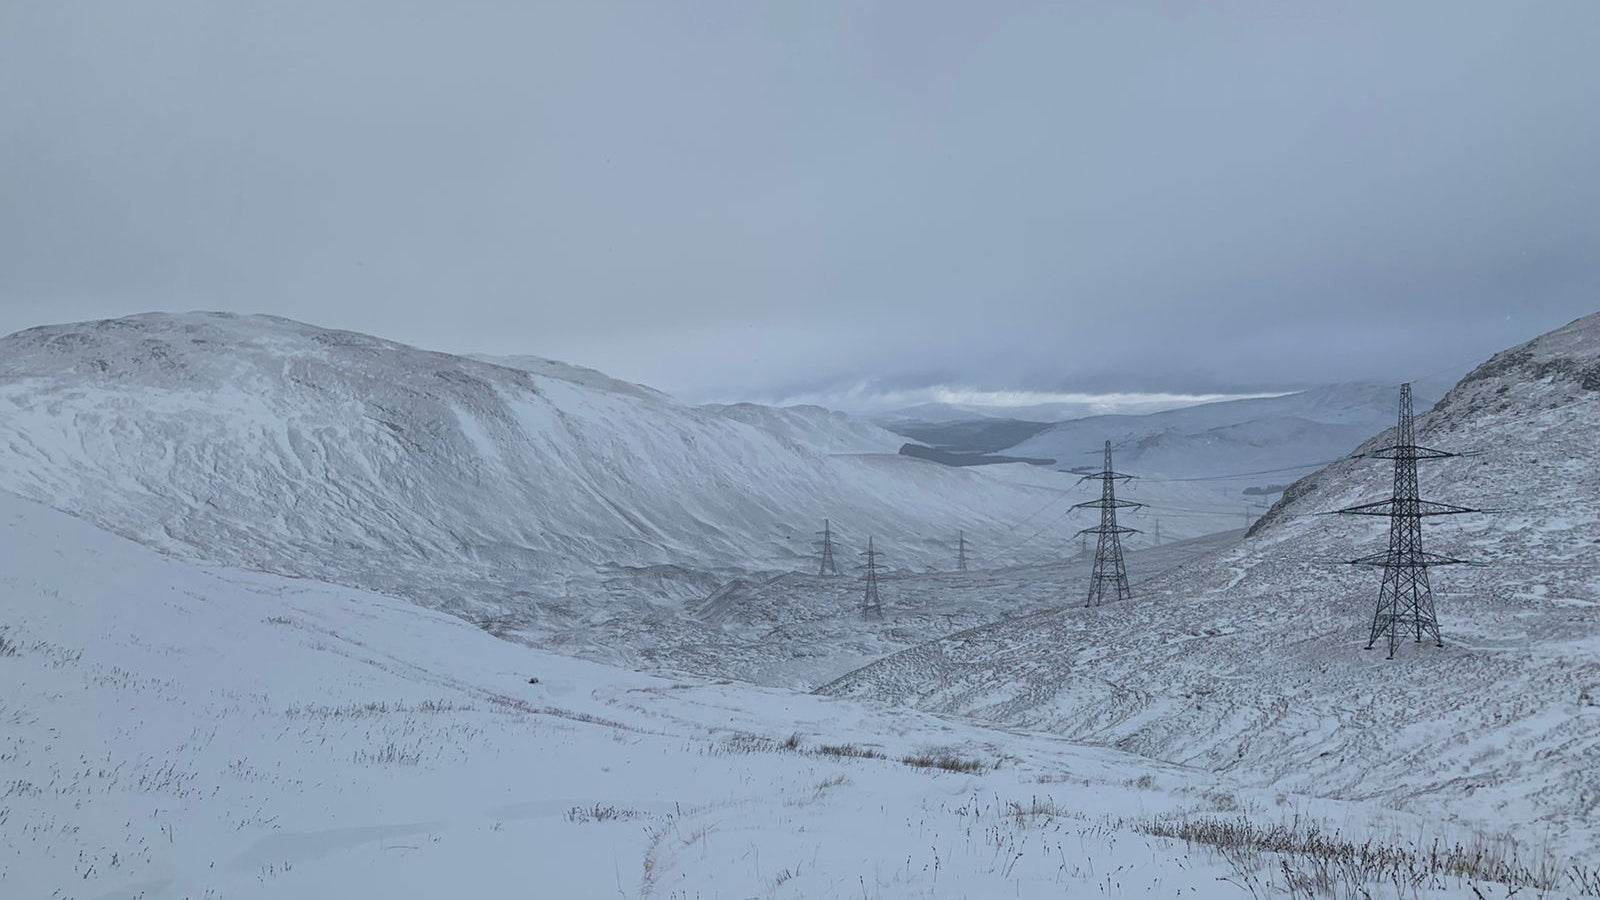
784, 199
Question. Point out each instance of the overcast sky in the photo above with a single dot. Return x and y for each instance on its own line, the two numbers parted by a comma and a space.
818, 199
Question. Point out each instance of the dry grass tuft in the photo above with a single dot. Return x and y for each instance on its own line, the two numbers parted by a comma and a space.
946, 759
850, 750
1322, 863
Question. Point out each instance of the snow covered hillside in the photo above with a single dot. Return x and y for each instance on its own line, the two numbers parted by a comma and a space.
267, 443
545, 500
1269, 435
799, 630
1250, 661
169, 731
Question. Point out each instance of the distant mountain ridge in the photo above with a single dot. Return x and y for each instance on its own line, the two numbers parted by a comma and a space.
971, 436
1272, 435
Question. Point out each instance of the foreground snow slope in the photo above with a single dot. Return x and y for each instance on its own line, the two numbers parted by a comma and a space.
181, 732
1250, 662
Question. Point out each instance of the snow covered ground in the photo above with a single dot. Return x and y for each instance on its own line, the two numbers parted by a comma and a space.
1249, 661
303, 623
538, 498
174, 731
799, 630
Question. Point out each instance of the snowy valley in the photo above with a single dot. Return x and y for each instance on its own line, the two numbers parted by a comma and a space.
535, 498
298, 612
799, 451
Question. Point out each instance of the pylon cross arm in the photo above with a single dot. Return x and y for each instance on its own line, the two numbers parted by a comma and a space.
1430, 508
1102, 504
1380, 508
1409, 451
1391, 508
1420, 559
1102, 476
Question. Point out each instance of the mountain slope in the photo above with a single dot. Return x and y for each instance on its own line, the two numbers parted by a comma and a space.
1250, 661
1267, 435
465, 484
545, 501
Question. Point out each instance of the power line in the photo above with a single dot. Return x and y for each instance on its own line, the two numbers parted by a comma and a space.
1312, 465
1046, 527
1229, 510
1059, 496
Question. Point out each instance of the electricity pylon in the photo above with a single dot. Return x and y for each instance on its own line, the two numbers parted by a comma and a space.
828, 565
1405, 599
1108, 564
961, 551
872, 604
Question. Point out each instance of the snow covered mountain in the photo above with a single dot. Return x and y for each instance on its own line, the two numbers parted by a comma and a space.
1251, 662
546, 501
466, 484
1279, 437
178, 730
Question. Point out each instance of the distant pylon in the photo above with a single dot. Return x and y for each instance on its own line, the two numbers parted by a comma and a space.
872, 604
1158, 531
1405, 600
961, 551
828, 566
1108, 564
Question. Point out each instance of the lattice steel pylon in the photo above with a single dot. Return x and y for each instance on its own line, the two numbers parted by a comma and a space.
872, 604
961, 551
1405, 599
1110, 574
828, 566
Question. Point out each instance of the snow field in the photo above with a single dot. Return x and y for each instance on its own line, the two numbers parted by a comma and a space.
182, 732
